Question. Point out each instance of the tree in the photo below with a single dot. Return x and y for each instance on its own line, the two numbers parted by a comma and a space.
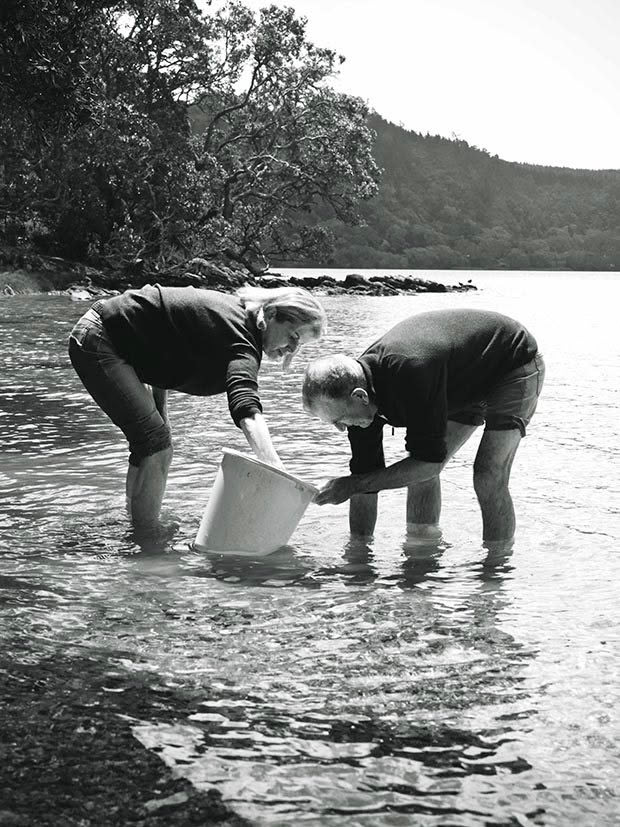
115, 171
276, 139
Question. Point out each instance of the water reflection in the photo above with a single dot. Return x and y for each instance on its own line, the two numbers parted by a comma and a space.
287, 566
420, 562
360, 565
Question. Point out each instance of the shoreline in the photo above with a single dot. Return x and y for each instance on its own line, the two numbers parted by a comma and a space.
82, 282
73, 758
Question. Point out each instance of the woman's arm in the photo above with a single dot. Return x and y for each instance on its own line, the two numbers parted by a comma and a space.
244, 403
257, 434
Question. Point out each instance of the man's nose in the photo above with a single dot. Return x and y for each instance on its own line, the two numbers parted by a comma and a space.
341, 426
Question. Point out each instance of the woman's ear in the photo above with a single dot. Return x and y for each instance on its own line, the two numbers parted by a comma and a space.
261, 322
269, 312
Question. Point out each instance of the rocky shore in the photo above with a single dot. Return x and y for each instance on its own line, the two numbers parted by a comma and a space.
21, 273
69, 758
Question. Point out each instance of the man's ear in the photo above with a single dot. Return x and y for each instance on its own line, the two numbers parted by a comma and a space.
269, 312
361, 394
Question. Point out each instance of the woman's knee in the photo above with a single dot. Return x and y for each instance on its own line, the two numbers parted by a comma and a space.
161, 458
155, 441
165, 455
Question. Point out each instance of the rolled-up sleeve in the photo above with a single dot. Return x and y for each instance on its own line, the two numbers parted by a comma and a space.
366, 447
242, 384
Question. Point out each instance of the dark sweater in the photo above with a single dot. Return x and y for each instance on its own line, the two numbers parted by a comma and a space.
197, 341
429, 366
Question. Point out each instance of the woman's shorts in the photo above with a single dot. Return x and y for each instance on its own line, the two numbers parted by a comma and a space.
116, 388
511, 403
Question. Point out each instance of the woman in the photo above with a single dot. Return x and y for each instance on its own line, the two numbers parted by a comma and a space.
200, 342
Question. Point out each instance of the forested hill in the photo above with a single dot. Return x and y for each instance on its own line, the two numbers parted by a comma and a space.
445, 204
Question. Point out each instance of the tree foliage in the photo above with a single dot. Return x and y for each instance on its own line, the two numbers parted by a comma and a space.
100, 161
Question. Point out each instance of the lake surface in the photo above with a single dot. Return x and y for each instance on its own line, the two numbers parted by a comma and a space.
331, 683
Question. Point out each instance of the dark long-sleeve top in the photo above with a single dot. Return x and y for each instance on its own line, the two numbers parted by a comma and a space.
200, 342
431, 365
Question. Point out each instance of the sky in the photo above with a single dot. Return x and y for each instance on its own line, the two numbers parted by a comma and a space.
535, 81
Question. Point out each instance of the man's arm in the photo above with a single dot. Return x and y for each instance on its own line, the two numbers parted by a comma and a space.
399, 475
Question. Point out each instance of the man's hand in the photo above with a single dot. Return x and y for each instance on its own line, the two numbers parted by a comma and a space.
336, 491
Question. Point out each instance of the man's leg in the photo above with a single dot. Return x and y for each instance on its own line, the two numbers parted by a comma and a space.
363, 514
424, 499
423, 512
491, 478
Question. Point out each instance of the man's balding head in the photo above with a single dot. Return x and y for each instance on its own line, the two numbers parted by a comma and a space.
336, 391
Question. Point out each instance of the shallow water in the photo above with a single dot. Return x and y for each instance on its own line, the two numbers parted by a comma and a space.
353, 685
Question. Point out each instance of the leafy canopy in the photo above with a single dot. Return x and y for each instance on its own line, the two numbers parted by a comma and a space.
152, 129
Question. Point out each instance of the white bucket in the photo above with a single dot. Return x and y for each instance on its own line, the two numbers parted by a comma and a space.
253, 508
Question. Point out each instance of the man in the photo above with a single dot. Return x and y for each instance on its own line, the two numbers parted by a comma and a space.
440, 375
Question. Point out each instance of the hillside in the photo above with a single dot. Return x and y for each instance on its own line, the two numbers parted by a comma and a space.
445, 204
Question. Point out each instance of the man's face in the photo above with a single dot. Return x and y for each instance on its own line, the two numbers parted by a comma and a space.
356, 409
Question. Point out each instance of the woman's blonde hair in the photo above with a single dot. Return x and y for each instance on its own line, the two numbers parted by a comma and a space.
288, 304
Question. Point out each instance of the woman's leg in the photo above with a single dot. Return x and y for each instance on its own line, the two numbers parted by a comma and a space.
116, 388
145, 487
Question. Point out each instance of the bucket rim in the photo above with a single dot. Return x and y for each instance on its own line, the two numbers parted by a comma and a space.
308, 485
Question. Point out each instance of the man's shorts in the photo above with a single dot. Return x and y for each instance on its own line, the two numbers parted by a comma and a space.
511, 403
117, 389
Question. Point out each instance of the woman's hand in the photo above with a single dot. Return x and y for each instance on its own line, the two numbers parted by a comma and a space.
257, 434
276, 464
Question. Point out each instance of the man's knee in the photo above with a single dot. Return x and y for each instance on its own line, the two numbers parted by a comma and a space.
490, 478
494, 460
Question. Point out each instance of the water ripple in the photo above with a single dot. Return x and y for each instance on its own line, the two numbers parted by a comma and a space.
332, 682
